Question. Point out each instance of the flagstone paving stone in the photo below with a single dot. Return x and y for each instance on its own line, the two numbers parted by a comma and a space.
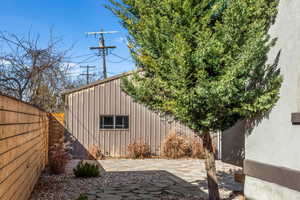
153, 179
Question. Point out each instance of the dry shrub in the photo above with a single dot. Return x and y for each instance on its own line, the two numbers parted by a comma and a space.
177, 145
96, 153
138, 150
58, 160
197, 148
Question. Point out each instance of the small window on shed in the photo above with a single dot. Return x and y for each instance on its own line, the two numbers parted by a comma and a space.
114, 122
106, 122
121, 122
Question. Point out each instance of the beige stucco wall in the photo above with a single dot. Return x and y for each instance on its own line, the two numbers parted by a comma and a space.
275, 140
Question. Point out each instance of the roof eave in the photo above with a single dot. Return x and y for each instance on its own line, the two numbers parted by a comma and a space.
66, 92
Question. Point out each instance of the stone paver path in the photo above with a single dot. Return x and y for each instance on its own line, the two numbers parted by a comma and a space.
155, 179
183, 178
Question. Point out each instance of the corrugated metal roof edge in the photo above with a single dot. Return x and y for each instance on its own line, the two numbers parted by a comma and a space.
100, 82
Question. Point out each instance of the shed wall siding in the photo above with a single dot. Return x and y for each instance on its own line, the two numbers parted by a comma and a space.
84, 110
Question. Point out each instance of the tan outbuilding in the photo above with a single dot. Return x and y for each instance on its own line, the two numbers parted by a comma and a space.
101, 114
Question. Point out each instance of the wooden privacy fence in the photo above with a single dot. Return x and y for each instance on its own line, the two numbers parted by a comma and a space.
23, 147
56, 132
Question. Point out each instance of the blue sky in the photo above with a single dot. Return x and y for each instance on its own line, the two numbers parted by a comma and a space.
69, 20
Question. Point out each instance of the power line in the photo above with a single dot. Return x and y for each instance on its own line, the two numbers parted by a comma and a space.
80, 56
87, 74
103, 50
122, 58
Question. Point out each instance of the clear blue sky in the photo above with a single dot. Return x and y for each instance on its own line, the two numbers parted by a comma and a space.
70, 20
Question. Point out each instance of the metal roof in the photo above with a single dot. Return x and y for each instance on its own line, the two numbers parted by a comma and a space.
99, 82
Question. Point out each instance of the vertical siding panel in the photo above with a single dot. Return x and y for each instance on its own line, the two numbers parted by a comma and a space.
113, 97
154, 133
111, 101
99, 97
101, 112
145, 124
128, 133
85, 121
105, 111
139, 121
96, 119
141, 112
146, 127
132, 121
75, 114
131, 136
151, 132
121, 102
160, 130
88, 130
75, 111
124, 134
95, 141
69, 124
72, 110
80, 118
91, 117
117, 101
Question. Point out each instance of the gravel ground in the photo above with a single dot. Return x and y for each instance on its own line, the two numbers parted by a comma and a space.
137, 179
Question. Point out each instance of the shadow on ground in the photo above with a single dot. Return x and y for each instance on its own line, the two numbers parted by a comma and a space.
224, 181
152, 185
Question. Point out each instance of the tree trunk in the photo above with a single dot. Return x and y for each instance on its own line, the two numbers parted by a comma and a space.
210, 166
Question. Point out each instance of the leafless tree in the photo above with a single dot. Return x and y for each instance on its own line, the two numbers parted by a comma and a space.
31, 71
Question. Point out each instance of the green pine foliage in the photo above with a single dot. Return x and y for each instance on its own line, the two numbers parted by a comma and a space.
86, 170
82, 197
204, 62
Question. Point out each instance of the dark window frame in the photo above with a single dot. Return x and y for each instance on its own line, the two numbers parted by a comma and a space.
114, 125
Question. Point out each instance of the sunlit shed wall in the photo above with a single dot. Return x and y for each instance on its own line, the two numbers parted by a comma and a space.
85, 105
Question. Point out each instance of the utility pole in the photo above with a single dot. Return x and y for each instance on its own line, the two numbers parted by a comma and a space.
87, 74
103, 50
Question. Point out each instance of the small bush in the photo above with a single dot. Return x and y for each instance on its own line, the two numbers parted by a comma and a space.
138, 150
96, 153
58, 160
82, 197
176, 146
197, 148
86, 170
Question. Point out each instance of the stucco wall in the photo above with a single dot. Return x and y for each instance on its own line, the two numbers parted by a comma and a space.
233, 144
275, 140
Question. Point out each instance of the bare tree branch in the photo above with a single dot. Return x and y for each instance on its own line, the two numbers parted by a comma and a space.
31, 72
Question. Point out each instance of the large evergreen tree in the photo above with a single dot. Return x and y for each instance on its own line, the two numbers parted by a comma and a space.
203, 61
